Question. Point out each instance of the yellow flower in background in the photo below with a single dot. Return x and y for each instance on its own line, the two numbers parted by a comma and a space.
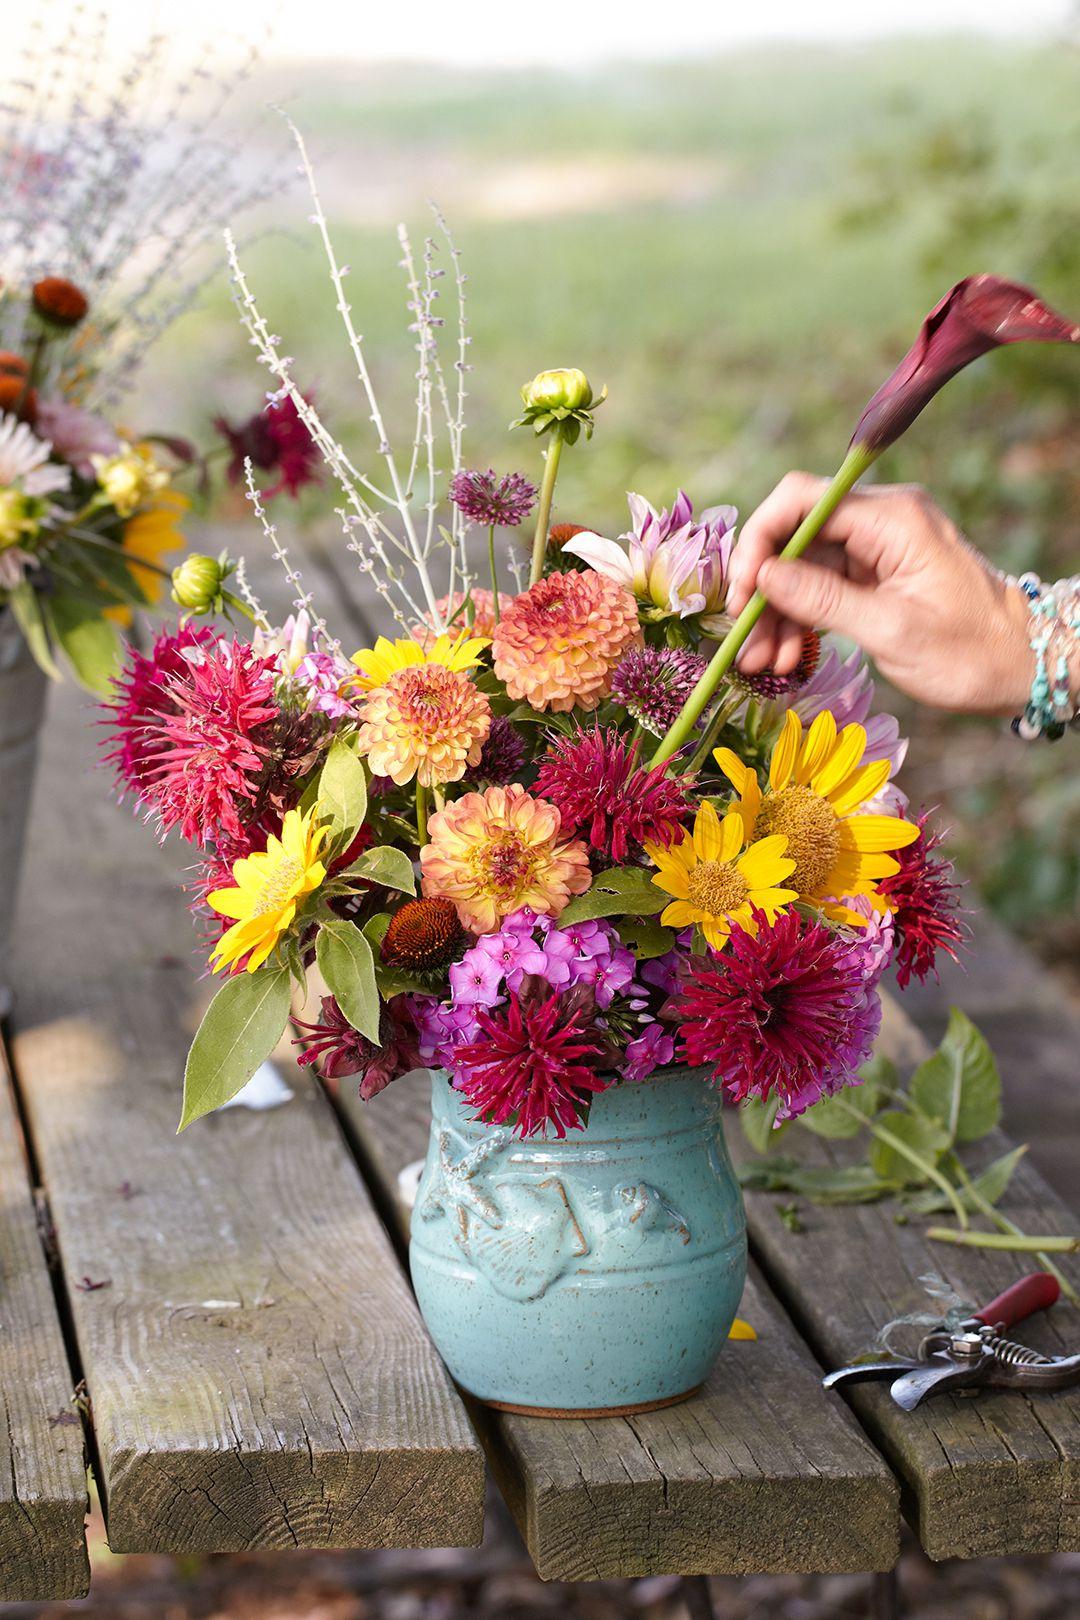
715, 882
128, 478
269, 886
377, 664
818, 785
149, 537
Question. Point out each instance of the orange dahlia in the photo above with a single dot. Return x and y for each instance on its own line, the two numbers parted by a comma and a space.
425, 721
496, 852
558, 643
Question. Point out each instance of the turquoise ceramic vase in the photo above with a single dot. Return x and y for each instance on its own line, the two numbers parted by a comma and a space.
600, 1273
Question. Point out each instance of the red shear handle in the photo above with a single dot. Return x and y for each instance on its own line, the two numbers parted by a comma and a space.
1035, 1293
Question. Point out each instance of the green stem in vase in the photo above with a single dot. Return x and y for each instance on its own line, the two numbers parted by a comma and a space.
543, 511
855, 463
494, 575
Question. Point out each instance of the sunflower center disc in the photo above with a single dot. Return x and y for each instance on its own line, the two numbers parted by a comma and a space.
813, 834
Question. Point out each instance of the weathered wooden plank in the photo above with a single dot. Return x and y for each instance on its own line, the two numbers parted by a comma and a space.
259, 1372
983, 1476
762, 1470
42, 1472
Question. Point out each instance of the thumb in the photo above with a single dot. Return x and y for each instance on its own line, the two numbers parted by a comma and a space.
813, 596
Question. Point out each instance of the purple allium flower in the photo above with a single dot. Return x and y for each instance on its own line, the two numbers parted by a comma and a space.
788, 1012
487, 499
653, 683
652, 1049
502, 755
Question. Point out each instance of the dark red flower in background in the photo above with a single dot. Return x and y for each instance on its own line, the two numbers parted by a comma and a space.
274, 440
535, 1061
979, 314
338, 1050
58, 300
602, 793
926, 913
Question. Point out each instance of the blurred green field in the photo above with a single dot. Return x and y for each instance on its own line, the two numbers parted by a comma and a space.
740, 248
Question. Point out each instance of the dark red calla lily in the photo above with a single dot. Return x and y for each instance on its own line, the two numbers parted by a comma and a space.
978, 314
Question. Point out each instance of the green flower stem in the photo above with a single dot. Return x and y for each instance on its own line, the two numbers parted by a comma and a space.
237, 605
543, 511
494, 576
421, 814
1009, 1229
898, 1145
723, 714
855, 463
1019, 1242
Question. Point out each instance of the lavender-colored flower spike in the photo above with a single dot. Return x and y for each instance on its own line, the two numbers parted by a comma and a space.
979, 314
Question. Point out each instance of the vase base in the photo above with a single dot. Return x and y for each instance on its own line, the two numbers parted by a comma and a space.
587, 1411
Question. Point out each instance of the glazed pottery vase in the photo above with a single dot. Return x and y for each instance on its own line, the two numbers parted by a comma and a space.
596, 1274
22, 710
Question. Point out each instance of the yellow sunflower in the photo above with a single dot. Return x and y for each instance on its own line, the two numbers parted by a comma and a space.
377, 664
715, 882
148, 537
818, 785
269, 886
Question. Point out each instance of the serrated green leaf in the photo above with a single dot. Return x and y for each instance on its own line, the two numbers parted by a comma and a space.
242, 1025
623, 891
959, 1084
342, 792
89, 642
924, 1136
385, 865
347, 963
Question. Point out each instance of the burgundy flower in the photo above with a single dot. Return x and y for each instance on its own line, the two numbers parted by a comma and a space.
486, 499
767, 684
275, 439
978, 314
535, 1061
502, 755
925, 910
603, 794
786, 1013
337, 1050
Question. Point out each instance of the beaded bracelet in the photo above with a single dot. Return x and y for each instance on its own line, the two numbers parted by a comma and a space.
1055, 637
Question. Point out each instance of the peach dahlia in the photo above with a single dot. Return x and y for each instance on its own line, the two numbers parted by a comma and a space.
496, 852
426, 722
558, 643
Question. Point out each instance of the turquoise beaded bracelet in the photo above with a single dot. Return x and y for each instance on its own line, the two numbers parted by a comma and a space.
1055, 635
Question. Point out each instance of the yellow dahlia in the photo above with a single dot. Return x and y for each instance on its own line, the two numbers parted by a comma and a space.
425, 721
558, 643
269, 886
148, 537
495, 852
818, 786
377, 664
715, 882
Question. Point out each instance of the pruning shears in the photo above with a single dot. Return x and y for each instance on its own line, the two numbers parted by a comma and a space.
975, 1353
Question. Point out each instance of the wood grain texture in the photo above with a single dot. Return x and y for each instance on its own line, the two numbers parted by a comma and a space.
993, 1474
259, 1373
762, 1470
42, 1471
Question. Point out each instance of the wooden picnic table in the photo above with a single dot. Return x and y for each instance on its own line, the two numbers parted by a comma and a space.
224, 1319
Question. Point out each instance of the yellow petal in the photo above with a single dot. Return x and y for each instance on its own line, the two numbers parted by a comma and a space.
785, 751
733, 768
860, 786
229, 902
741, 1330
765, 863
673, 877
732, 835
716, 931
819, 744
678, 914
708, 841
875, 834
842, 761
772, 901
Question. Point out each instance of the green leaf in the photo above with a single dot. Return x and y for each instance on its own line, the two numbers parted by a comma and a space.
879, 1074
959, 1084
991, 1184
347, 963
90, 643
386, 865
758, 1120
842, 1116
622, 891
821, 1184
926, 1137
31, 621
342, 792
646, 938
242, 1025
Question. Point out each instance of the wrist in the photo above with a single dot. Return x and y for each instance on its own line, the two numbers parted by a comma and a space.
1014, 663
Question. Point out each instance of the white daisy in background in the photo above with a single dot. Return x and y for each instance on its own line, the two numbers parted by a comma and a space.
27, 476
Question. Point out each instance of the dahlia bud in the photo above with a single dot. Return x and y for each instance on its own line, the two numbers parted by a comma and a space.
197, 583
562, 397
59, 301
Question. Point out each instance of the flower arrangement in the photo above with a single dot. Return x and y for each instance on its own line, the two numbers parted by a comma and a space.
543, 836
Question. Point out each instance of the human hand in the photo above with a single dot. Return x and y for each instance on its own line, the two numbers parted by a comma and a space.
891, 571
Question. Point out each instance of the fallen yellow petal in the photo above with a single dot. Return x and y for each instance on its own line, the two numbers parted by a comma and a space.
741, 1330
